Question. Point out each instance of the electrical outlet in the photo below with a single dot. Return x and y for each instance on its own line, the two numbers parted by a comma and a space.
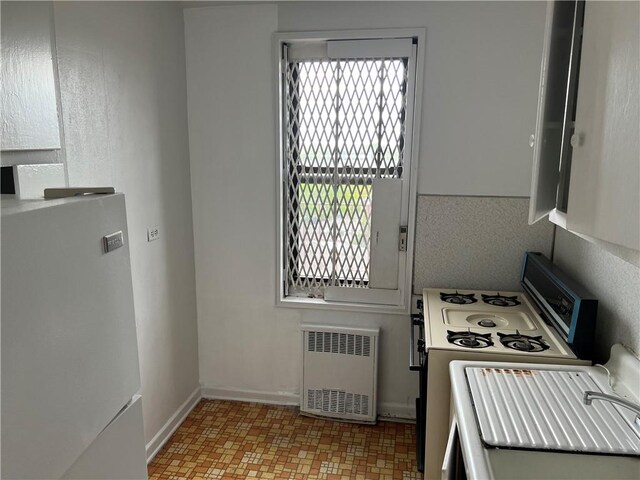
153, 233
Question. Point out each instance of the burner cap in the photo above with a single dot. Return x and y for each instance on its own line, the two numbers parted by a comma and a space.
458, 298
523, 343
500, 300
487, 322
469, 339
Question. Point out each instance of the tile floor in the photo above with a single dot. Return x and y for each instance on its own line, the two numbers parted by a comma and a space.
234, 440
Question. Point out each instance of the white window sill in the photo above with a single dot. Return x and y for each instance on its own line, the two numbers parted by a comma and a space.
321, 304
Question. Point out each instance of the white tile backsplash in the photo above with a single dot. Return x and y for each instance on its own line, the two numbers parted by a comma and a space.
474, 242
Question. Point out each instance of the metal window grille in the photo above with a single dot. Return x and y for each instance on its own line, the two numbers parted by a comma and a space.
344, 125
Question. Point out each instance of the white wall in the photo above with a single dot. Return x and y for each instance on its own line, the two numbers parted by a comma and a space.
613, 281
248, 347
244, 342
123, 90
482, 69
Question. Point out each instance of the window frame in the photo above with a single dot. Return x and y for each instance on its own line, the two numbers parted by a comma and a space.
403, 304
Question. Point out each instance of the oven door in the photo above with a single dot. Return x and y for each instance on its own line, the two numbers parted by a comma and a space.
419, 364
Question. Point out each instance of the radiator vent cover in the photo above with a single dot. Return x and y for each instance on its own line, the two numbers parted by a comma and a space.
338, 401
343, 343
339, 372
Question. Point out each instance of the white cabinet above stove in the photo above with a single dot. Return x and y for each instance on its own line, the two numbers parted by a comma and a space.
586, 174
604, 190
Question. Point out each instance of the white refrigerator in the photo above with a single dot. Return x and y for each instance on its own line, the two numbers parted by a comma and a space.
70, 373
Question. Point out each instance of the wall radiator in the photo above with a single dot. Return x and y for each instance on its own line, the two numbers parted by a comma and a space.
339, 372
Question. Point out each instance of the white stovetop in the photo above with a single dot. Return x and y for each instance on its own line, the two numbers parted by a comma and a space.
441, 317
483, 462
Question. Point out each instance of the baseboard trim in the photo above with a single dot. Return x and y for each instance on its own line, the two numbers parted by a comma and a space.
278, 398
158, 441
394, 412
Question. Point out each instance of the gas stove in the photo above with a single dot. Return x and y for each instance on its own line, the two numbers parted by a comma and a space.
551, 321
489, 322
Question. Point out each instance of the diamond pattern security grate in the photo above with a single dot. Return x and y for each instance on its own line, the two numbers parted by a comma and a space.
344, 126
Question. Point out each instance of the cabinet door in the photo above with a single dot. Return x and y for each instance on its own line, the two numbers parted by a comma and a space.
604, 191
555, 104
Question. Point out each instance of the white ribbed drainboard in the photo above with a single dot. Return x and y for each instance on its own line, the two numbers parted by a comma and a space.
543, 410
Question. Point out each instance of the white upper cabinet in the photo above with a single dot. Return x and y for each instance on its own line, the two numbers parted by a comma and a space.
562, 21
556, 102
28, 93
586, 167
604, 192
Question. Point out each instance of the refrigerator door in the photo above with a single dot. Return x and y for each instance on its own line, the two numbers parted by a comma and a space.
118, 452
69, 348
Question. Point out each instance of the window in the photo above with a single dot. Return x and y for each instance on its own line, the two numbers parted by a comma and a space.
345, 138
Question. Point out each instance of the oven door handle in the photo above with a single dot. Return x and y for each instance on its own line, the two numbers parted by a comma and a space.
416, 320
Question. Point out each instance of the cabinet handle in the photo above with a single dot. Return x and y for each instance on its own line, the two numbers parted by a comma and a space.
532, 140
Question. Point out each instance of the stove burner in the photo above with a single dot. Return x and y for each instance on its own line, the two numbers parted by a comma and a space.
487, 322
469, 339
500, 300
523, 343
458, 298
